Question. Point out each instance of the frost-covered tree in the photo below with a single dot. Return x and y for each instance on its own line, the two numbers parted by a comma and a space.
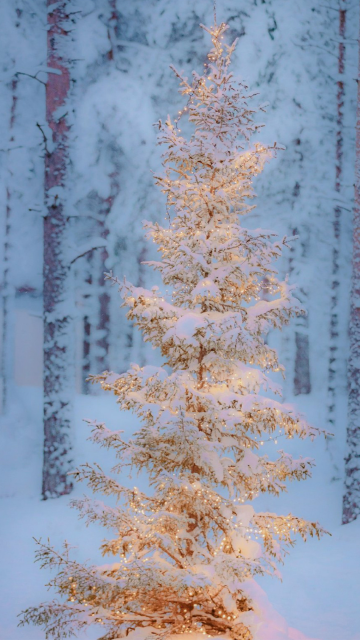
351, 498
7, 298
187, 551
58, 341
334, 346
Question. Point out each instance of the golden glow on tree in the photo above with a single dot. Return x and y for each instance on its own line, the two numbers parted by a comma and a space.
187, 550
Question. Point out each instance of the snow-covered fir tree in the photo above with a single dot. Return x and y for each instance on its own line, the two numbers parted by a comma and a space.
186, 553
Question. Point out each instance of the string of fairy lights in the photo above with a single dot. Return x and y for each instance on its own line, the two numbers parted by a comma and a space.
280, 526
161, 521
269, 417
212, 500
166, 313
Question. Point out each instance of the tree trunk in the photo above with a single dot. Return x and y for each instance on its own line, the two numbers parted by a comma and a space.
351, 500
58, 328
103, 327
299, 252
334, 309
7, 343
97, 326
96, 320
103, 320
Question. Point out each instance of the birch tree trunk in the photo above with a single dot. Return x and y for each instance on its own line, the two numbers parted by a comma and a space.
58, 350
351, 500
334, 315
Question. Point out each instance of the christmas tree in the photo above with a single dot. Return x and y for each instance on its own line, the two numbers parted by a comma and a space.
186, 552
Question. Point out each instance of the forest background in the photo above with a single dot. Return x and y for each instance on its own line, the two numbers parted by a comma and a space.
302, 58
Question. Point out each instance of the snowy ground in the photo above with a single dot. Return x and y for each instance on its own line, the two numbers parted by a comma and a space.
320, 591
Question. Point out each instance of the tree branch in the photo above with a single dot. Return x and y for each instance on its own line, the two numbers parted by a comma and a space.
44, 139
21, 73
101, 246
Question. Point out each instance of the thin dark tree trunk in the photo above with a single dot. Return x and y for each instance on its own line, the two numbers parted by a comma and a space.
103, 327
351, 499
97, 326
6, 286
104, 300
86, 353
298, 253
334, 312
302, 381
58, 328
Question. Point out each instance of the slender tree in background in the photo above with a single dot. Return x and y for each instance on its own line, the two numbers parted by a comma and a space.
96, 321
58, 349
298, 252
302, 381
335, 275
103, 326
7, 295
351, 500
186, 553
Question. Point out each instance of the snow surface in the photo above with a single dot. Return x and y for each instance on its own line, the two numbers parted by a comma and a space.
319, 594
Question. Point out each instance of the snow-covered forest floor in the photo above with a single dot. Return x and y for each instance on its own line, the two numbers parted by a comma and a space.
319, 594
